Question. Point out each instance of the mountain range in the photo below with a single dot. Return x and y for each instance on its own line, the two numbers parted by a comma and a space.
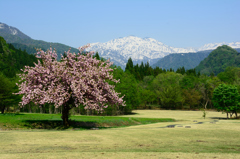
144, 49
118, 50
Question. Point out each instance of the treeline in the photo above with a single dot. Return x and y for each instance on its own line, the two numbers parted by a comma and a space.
142, 70
180, 89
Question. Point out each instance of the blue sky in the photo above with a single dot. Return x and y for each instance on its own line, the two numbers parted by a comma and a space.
177, 23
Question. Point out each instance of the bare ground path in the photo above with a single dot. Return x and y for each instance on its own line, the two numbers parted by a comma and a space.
213, 138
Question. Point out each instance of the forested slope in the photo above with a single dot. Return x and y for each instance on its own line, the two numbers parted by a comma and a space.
218, 60
12, 59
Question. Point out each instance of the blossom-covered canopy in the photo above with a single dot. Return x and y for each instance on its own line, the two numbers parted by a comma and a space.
79, 78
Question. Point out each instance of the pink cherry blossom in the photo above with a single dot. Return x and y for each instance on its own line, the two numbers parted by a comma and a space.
77, 79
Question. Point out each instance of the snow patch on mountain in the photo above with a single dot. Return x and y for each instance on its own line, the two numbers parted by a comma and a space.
1, 26
13, 31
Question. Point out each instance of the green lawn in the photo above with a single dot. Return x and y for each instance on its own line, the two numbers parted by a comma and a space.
210, 138
53, 121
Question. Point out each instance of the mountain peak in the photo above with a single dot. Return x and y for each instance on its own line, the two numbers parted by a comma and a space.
4, 28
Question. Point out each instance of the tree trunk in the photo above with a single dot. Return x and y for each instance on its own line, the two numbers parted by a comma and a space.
29, 108
56, 110
206, 105
65, 114
2, 109
50, 109
79, 109
8, 108
41, 110
227, 115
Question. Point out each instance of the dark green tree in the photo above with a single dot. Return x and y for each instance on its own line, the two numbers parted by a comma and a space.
7, 88
129, 65
97, 56
191, 72
168, 90
226, 98
230, 75
157, 71
128, 87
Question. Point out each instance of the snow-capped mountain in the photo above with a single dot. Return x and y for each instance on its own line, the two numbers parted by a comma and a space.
143, 49
139, 49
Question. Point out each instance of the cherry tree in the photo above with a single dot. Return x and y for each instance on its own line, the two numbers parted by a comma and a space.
77, 79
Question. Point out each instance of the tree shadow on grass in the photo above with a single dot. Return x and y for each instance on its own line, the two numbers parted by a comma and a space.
58, 125
130, 113
220, 118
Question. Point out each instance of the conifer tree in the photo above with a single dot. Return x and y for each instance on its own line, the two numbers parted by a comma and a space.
129, 65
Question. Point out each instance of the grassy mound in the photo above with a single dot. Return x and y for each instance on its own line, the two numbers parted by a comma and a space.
53, 121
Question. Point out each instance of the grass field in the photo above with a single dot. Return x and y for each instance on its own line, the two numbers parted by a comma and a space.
191, 137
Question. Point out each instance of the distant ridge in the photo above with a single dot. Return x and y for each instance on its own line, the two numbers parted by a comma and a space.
21, 40
186, 60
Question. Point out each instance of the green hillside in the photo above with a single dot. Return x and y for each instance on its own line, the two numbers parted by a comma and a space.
24, 43
30, 49
12, 59
218, 60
